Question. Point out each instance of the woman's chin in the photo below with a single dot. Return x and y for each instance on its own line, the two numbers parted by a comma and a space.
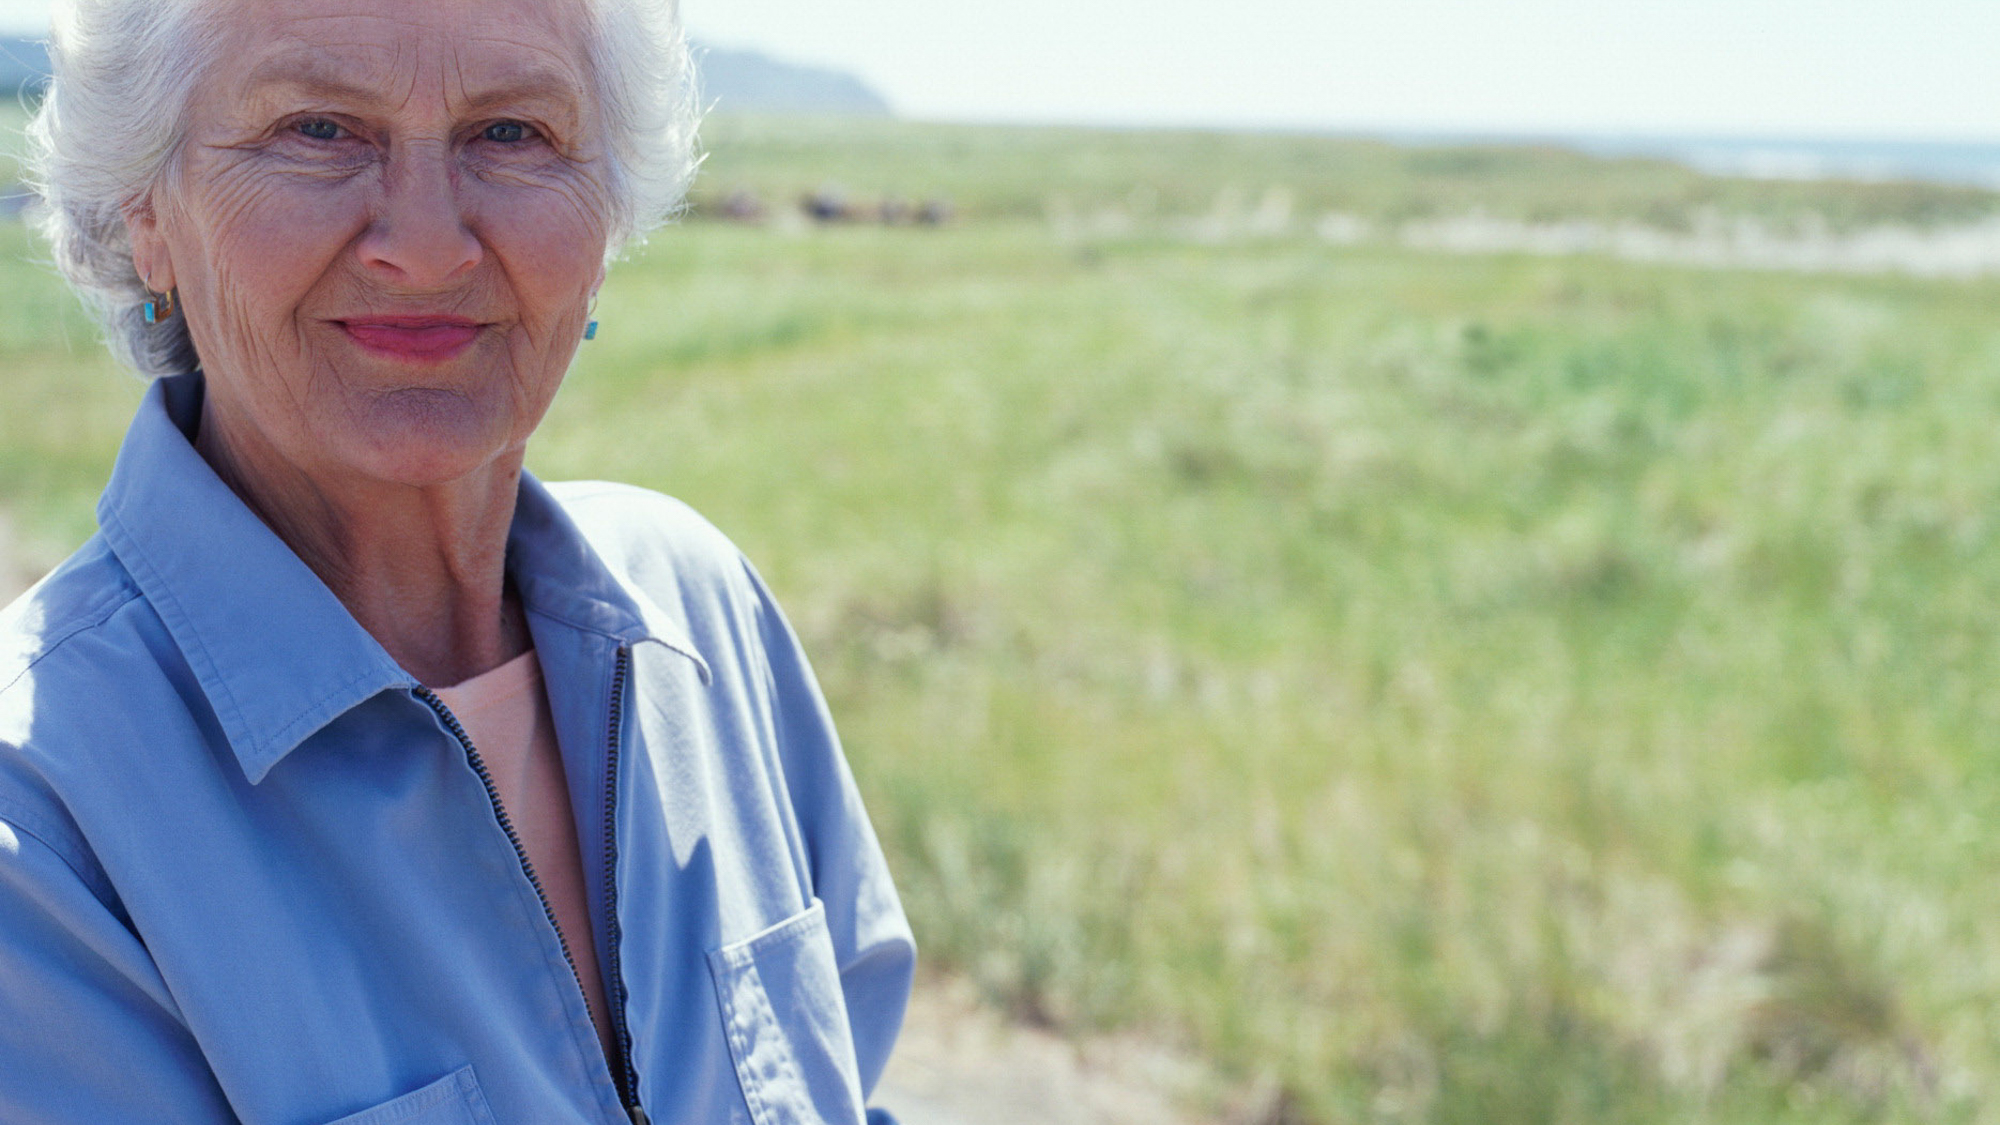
423, 438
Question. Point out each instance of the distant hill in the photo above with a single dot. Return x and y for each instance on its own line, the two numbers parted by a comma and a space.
733, 81
736, 81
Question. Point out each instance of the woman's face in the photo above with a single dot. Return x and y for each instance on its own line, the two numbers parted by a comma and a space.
386, 230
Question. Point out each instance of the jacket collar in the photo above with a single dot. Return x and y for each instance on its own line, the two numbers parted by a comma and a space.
275, 652
561, 576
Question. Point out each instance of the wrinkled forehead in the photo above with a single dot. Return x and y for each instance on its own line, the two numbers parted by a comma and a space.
391, 52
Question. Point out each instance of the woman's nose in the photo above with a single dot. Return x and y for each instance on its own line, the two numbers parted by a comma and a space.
419, 237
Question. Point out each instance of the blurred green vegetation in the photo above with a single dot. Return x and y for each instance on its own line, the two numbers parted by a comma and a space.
1438, 689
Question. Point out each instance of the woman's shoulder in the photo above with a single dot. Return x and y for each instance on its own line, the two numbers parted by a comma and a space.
79, 669
608, 508
76, 599
678, 563
650, 537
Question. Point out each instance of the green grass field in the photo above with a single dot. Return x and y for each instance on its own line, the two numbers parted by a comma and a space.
1437, 689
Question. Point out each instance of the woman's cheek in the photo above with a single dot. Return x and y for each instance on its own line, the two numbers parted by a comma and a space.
283, 234
551, 242
561, 205
259, 246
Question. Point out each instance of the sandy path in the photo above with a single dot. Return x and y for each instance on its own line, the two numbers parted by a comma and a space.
959, 1063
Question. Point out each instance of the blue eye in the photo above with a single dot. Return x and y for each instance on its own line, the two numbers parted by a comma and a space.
320, 129
506, 132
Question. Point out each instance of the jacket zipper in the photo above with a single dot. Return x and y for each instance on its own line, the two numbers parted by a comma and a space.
626, 1074
478, 765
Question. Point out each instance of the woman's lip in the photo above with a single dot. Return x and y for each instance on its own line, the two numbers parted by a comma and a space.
423, 339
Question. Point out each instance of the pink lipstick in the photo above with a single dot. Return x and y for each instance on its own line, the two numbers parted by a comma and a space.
415, 339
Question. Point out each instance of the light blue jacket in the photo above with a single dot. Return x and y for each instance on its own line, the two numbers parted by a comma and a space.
251, 872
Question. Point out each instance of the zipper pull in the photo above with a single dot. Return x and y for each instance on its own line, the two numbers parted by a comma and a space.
638, 1115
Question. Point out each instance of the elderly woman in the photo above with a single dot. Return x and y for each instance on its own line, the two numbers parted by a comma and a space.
350, 773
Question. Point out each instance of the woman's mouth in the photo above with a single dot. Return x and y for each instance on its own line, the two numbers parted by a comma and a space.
414, 339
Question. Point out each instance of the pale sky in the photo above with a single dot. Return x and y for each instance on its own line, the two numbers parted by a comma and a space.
1874, 69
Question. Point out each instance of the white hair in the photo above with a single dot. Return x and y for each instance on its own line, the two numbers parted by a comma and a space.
110, 126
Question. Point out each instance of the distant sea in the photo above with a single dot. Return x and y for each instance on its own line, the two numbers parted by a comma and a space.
1776, 158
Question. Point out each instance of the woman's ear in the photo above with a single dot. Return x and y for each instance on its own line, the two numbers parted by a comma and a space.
150, 256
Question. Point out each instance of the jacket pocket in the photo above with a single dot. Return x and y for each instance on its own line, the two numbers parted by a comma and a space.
786, 1021
452, 1100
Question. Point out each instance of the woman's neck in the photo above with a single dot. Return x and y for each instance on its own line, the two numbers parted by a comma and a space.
423, 569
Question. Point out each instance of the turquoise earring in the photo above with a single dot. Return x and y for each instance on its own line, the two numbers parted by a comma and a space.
161, 309
589, 330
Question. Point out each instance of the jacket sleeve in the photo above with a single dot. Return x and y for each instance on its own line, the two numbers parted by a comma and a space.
88, 1031
871, 937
